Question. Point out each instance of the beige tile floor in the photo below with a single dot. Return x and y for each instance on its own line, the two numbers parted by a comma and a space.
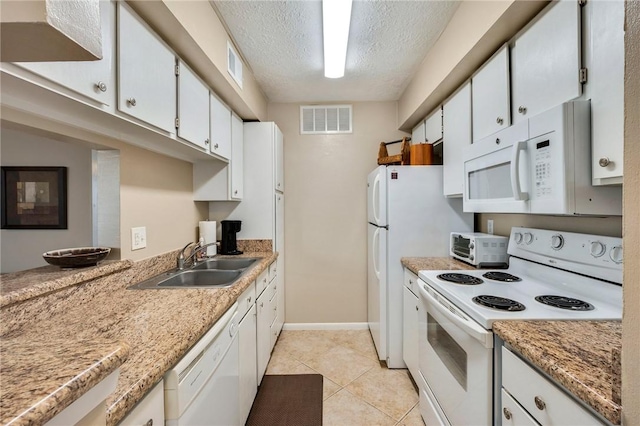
358, 390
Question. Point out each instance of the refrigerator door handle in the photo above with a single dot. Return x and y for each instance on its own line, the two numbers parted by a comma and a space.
375, 198
376, 251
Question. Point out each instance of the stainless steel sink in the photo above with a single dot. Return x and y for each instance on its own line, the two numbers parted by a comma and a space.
213, 273
226, 264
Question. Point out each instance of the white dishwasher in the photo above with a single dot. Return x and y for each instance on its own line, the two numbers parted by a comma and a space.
202, 389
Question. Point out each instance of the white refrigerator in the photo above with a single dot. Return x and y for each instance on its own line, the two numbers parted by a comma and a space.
408, 216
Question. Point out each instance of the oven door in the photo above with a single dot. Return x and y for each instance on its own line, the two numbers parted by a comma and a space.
456, 359
497, 173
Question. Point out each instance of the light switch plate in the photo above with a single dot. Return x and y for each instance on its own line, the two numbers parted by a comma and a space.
138, 238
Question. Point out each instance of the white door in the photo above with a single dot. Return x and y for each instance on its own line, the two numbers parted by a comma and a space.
146, 73
546, 60
247, 362
377, 196
456, 140
220, 128
490, 96
433, 126
376, 288
193, 108
279, 247
279, 159
264, 332
410, 320
237, 158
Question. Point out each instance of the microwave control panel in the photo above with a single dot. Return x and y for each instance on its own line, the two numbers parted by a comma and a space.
543, 181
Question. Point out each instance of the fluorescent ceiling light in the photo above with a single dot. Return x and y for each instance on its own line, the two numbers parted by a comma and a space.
336, 17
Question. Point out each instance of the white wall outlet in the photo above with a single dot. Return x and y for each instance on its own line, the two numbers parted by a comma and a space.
489, 226
138, 238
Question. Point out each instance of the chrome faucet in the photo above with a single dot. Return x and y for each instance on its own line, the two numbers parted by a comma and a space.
182, 260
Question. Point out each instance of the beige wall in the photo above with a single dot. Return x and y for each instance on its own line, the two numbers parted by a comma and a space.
475, 32
325, 212
631, 313
502, 223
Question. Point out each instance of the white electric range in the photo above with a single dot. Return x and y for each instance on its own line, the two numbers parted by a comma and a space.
551, 276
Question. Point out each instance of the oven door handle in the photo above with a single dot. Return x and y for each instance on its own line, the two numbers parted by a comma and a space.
468, 325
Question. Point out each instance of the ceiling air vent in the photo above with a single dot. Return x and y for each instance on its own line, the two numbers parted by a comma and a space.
325, 119
234, 64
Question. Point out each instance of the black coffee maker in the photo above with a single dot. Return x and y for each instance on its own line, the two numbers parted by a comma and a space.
228, 244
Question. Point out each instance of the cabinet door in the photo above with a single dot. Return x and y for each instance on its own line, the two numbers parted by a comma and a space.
263, 338
220, 128
193, 108
417, 134
93, 79
247, 333
149, 411
410, 332
545, 61
490, 96
237, 158
605, 62
146, 73
279, 160
456, 138
433, 126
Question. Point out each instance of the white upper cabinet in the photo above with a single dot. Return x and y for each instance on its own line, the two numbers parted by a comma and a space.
237, 158
605, 88
433, 126
456, 139
546, 60
146, 73
279, 160
490, 95
193, 108
220, 128
92, 79
417, 134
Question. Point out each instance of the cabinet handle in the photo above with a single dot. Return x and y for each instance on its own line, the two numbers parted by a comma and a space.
539, 403
101, 86
497, 141
249, 299
206, 141
235, 192
131, 102
262, 304
499, 120
522, 109
604, 162
416, 308
507, 413
149, 422
216, 146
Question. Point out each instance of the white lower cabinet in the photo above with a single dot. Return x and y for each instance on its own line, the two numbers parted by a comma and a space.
543, 400
247, 334
410, 319
263, 340
149, 411
513, 414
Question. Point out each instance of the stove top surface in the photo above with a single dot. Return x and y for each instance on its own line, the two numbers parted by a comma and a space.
534, 292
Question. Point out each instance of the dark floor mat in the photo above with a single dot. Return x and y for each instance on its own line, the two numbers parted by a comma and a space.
288, 400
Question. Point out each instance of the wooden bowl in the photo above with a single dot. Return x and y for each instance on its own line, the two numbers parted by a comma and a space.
76, 257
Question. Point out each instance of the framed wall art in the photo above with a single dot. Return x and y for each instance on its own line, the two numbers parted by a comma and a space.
34, 198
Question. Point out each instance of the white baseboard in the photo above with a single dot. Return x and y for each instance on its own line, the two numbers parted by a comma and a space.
327, 326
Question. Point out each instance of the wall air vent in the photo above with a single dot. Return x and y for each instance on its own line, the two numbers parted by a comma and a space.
234, 64
325, 119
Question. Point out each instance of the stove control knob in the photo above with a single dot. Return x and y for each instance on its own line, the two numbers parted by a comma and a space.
528, 237
557, 242
616, 254
517, 237
471, 246
598, 249
471, 257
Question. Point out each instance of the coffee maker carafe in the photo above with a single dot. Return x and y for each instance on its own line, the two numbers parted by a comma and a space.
228, 244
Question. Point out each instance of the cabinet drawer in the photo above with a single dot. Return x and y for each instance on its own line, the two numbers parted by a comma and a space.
261, 282
246, 299
148, 411
272, 270
411, 281
513, 414
545, 401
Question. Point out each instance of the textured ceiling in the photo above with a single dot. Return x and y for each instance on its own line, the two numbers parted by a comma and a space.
282, 42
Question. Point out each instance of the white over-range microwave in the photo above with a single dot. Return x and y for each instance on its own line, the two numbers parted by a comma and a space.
541, 165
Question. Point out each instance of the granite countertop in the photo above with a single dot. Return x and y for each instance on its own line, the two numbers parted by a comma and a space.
582, 356
158, 326
416, 264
